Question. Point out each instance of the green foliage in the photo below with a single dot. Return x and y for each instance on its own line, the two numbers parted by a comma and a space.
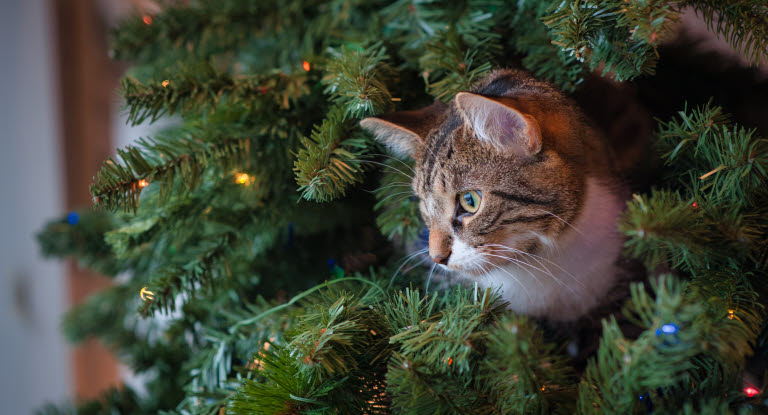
743, 23
161, 160
534, 376
398, 211
433, 369
460, 55
731, 161
84, 241
686, 339
356, 80
223, 241
540, 56
621, 38
617, 37
666, 228
201, 88
291, 390
453, 64
716, 218
329, 161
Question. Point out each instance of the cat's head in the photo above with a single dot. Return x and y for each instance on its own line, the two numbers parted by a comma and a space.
500, 169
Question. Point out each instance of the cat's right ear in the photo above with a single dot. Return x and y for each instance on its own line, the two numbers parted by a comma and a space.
404, 132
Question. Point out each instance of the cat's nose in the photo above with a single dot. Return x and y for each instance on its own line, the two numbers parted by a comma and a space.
441, 258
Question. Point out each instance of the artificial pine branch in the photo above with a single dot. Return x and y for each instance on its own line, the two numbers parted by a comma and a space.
120, 182
418, 388
329, 160
287, 388
743, 23
412, 24
356, 80
83, 240
436, 359
730, 161
663, 362
199, 88
523, 373
450, 66
617, 36
666, 229
167, 283
212, 27
530, 38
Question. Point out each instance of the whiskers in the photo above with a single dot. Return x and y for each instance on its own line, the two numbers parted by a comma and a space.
408, 259
393, 184
560, 219
408, 193
541, 261
487, 262
410, 176
429, 278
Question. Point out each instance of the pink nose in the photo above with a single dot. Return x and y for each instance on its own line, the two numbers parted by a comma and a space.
440, 258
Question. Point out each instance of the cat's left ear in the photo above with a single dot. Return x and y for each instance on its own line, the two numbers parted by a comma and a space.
404, 132
503, 127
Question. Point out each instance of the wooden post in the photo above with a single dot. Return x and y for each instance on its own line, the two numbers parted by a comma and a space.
87, 80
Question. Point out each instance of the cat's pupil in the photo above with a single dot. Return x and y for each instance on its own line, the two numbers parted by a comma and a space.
469, 200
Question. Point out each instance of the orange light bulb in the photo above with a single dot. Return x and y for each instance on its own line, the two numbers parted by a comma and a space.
242, 178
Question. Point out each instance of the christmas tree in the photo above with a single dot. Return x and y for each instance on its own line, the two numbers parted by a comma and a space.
280, 242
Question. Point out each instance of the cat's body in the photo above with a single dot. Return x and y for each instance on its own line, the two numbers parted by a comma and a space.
518, 190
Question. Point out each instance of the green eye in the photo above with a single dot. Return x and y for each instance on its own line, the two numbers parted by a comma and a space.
470, 200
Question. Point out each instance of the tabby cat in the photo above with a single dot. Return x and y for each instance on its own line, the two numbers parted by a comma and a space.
518, 190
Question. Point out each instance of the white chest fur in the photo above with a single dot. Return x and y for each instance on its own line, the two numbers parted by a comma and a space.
572, 274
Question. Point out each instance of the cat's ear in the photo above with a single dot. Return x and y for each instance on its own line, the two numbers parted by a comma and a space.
404, 132
499, 125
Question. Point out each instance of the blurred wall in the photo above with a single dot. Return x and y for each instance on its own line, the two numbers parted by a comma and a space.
34, 359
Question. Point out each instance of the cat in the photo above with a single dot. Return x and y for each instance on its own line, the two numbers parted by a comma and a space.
519, 191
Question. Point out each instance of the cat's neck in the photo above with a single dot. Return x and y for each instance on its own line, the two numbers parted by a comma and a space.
570, 275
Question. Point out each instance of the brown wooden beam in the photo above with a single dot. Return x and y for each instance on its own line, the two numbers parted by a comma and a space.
87, 80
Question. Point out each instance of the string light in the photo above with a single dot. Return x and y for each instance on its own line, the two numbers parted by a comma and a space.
146, 295
143, 183
166, 83
306, 66
750, 391
732, 315
669, 328
147, 19
243, 178
73, 218
257, 364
